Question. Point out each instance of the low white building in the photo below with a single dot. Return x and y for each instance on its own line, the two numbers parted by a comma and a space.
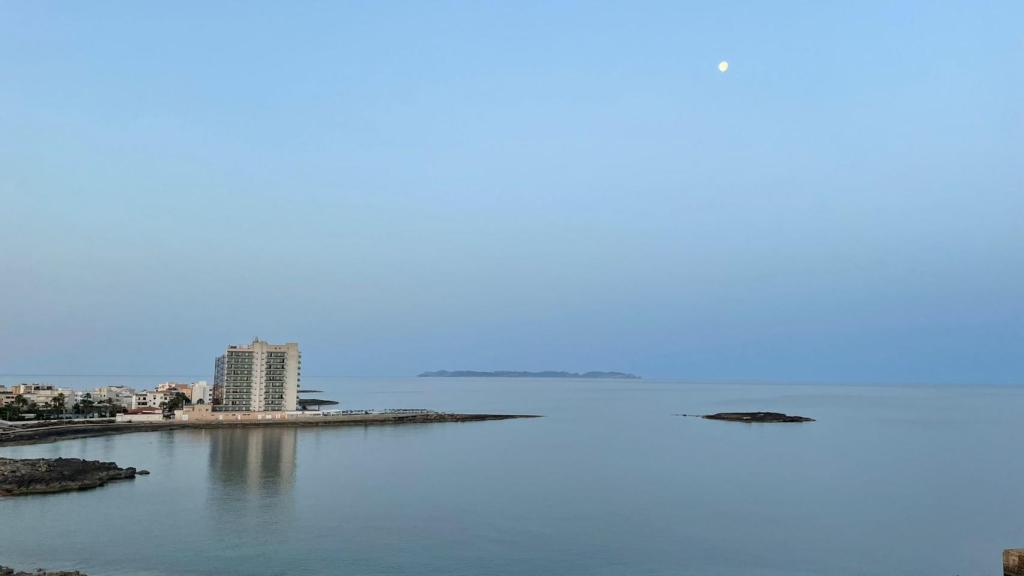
6, 396
185, 389
44, 394
201, 391
140, 417
195, 391
150, 399
117, 395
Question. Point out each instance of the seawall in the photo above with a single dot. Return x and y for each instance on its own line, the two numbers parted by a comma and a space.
72, 431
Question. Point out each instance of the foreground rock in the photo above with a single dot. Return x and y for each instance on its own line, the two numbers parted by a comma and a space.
45, 475
5, 571
756, 417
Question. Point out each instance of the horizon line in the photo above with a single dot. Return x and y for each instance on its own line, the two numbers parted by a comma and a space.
723, 381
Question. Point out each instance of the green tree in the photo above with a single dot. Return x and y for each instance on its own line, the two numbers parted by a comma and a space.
177, 401
110, 408
21, 403
57, 405
86, 405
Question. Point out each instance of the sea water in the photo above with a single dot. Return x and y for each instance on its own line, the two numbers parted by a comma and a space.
889, 480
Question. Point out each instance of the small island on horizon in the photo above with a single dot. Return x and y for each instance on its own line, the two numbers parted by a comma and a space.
525, 374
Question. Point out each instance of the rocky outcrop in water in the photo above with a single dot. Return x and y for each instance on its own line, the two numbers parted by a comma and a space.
47, 475
756, 417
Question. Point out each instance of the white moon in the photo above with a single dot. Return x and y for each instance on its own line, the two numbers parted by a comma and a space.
723, 66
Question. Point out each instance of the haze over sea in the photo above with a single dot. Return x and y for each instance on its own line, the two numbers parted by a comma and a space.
889, 480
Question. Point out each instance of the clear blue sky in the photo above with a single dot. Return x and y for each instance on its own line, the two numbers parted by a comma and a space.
516, 185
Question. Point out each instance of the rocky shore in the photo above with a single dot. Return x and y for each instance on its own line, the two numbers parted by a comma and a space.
49, 475
5, 571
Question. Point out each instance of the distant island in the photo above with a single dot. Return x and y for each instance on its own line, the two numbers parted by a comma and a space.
523, 374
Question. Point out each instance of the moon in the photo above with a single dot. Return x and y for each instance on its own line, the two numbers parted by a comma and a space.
723, 66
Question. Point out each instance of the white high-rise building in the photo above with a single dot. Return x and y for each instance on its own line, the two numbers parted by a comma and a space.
260, 377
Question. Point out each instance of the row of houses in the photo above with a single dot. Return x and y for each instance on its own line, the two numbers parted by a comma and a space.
120, 396
256, 378
41, 394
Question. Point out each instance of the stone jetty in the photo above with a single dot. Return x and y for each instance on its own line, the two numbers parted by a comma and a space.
5, 571
34, 435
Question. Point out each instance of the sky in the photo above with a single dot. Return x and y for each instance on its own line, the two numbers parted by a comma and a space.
409, 186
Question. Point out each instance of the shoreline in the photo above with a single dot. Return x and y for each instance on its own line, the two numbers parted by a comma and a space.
7, 571
45, 435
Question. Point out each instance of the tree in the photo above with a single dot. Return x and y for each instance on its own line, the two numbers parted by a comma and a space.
15, 408
57, 405
177, 401
86, 405
109, 408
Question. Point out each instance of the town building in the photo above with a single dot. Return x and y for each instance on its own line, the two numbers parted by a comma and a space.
196, 391
44, 394
201, 393
260, 377
118, 395
150, 399
185, 389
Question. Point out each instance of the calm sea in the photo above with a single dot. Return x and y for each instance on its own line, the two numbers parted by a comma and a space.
889, 480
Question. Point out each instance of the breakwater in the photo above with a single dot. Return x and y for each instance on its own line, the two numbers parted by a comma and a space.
5, 571
71, 431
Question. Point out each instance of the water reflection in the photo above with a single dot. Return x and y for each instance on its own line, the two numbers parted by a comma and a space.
252, 464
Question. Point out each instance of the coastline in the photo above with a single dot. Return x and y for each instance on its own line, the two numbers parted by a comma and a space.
6, 571
50, 434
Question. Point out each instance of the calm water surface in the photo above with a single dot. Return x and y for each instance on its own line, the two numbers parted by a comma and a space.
890, 480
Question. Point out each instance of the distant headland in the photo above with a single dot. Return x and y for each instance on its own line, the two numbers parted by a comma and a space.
524, 374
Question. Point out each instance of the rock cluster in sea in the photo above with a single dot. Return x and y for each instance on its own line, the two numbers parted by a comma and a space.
757, 417
46, 475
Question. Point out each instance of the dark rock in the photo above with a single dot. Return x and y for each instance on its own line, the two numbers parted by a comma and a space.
47, 475
757, 417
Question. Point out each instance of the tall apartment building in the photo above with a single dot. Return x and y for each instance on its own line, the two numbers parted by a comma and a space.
260, 377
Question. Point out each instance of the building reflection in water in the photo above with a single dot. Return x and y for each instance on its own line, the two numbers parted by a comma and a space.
252, 466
